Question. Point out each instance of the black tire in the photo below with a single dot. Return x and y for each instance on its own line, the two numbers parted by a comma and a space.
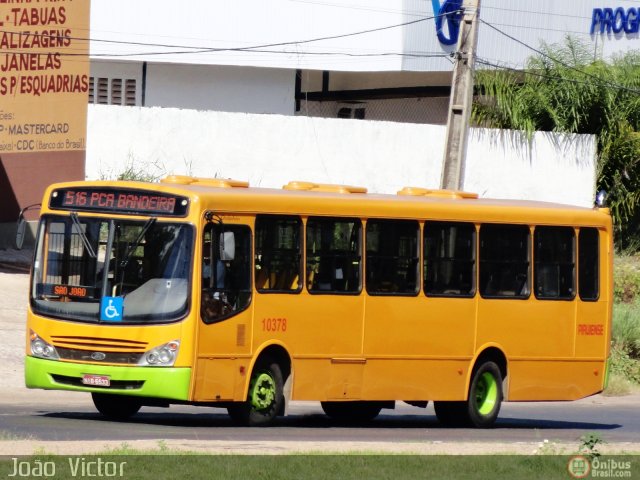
351, 412
265, 400
452, 414
483, 402
116, 407
485, 395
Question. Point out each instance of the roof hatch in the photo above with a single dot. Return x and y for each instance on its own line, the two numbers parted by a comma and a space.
425, 192
205, 182
323, 187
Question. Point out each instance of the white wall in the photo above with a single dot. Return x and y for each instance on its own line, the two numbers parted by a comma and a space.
270, 150
223, 88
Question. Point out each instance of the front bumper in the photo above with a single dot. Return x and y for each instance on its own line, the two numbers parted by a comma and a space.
153, 382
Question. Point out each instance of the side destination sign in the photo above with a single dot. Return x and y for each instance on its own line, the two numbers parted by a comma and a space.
118, 200
616, 20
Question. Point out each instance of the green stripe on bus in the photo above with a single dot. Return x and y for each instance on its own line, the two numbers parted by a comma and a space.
156, 382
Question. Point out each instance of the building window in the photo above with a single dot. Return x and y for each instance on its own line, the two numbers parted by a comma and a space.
554, 267
333, 255
112, 91
116, 91
392, 257
449, 259
353, 110
278, 255
504, 261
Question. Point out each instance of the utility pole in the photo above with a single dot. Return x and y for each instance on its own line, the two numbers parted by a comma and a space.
455, 148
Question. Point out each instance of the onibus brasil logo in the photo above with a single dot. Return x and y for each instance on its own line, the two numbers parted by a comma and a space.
447, 17
582, 467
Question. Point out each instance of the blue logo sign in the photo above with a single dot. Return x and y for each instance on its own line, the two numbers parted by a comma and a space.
449, 14
615, 21
111, 309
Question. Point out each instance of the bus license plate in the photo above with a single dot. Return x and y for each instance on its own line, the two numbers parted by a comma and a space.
96, 380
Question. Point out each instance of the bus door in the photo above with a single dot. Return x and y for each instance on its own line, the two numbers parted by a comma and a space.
224, 337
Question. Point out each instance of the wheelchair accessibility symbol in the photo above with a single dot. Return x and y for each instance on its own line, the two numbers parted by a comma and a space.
111, 309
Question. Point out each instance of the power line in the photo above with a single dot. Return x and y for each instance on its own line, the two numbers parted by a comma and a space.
560, 62
358, 7
546, 76
532, 73
536, 12
282, 52
547, 14
208, 49
543, 29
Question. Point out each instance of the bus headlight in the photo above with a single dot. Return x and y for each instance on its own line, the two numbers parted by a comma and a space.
162, 356
42, 349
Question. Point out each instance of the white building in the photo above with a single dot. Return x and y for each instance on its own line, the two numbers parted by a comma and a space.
298, 60
373, 59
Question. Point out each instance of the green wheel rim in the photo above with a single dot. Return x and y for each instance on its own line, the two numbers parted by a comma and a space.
263, 392
486, 393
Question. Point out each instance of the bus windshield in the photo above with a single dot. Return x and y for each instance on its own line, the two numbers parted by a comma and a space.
80, 260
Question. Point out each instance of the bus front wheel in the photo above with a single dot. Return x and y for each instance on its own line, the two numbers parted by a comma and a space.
116, 407
265, 399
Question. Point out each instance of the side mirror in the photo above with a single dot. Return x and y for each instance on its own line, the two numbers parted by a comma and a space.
227, 246
21, 227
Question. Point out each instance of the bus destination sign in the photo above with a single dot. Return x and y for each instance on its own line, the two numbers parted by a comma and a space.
118, 200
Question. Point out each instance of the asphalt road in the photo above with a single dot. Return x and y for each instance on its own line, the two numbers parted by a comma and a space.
32, 419
616, 421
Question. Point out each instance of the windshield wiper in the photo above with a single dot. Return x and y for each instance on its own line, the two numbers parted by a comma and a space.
132, 247
136, 242
83, 236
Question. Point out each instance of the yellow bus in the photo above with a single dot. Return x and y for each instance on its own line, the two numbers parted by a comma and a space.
207, 292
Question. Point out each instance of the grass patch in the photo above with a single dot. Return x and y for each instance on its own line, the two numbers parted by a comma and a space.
6, 436
624, 365
282, 467
618, 386
626, 328
125, 462
625, 334
625, 352
626, 278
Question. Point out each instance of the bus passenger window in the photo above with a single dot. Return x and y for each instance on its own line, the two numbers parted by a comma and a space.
555, 263
333, 255
226, 271
449, 259
393, 257
588, 261
504, 261
278, 256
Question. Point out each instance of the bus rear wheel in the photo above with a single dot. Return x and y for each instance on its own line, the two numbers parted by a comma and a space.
265, 400
116, 407
352, 412
483, 404
485, 395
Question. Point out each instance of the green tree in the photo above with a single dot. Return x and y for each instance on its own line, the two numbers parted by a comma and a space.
563, 89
